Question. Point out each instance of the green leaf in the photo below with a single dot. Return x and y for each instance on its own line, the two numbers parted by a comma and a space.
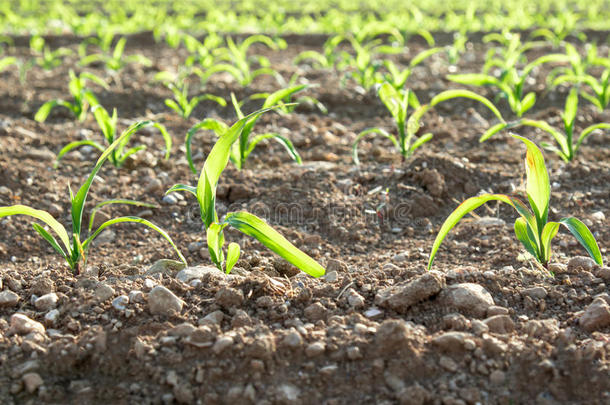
253, 226
182, 187
467, 206
215, 241
366, 132
588, 131
492, 131
420, 141
285, 142
571, 108
43, 216
548, 233
538, 187
474, 79
208, 124
44, 111
138, 221
449, 94
584, 236
392, 100
276, 97
52, 241
521, 231
73, 145
558, 136
99, 206
528, 102
233, 252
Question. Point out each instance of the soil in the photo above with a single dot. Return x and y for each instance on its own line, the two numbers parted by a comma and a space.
485, 326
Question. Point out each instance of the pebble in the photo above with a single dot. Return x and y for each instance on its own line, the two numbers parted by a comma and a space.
229, 297
287, 394
42, 286
315, 312
215, 318
149, 284
105, 237
315, 349
580, 263
120, 302
165, 266
222, 344
452, 342
163, 302
400, 258
103, 292
32, 381
500, 324
330, 276
448, 364
336, 265
496, 310
596, 316
136, 296
183, 330
486, 222
497, 377
22, 325
470, 298
354, 299
598, 216
292, 340
51, 317
170, 199
373, 313
535, 292
46, 302
403, 295
354, 353
198, 272
8, 298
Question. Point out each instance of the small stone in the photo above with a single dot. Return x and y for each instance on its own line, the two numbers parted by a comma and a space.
596, 316
354, 299
336, 265
32, 382
120, 302
448, 364
149, 284
395, 334
214, 318
330, 276
229, 297
103, 292
42, 286
163, 302
292, 340
315, 312
183, 330
413, 395
46, 302
105, 237
403, 295
22, 325
170, 199
222, 344
496, 310
500, 324
8, 298
580, 263
451, 342
136, 296
165, 266
497, 377
535, 292
315, 349
373, 313
598, 216
469, 298
400, 257
287, 394
51, 317
354, 353
558, 268
198, 272
486, 222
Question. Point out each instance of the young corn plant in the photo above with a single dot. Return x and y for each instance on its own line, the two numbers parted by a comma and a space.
397, 102
234, 60
181, 103
532, 228
328, 58
75, 250
115, 61
45, 57
83, 98
249, 224
107, 124
245, 143
398, 78
565, 146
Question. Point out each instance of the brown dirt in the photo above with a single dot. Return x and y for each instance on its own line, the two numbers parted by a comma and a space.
268, 334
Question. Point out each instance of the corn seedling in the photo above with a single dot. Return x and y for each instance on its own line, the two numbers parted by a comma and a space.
398, 78
532, 228
115, 61
329, 56
234, 60
565, 147
457, 48
397, 102
45, 57
181, 103
83, 98
75, 251
107, 124
246, 144
249, 224
511, 80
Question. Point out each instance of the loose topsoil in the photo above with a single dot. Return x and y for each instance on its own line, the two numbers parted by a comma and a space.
485, 326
